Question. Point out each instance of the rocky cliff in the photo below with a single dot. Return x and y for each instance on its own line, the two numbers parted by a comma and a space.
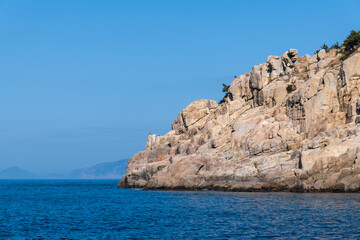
291, 124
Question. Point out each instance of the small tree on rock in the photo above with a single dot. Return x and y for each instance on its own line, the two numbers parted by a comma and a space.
352, 41
227, 93
335, 46
325, 47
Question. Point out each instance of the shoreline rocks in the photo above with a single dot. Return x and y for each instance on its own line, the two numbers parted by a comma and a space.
294, 128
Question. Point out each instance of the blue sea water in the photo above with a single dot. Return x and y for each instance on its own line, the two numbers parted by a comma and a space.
96, 209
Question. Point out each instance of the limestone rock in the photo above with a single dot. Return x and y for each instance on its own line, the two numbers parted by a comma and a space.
151, 139
193, 116
350, 72
321, 54
292, 127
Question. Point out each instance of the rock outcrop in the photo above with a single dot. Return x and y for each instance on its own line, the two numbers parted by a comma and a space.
293, 126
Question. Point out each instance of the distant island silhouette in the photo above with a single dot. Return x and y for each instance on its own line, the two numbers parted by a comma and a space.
105, 170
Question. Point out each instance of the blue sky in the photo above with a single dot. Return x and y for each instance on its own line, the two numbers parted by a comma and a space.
83, 82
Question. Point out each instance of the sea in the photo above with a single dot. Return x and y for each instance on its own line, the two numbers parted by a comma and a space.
97, 209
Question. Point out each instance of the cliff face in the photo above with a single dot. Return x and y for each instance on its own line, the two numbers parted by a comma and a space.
293, 127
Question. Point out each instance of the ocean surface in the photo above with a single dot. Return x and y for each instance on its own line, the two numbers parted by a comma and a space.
96, 209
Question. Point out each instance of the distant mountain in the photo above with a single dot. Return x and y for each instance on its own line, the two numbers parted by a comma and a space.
106, 170
16, 173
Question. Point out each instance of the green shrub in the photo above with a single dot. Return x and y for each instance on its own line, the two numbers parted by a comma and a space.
225, 88
325, 47
352, 41
335, 46
227, 93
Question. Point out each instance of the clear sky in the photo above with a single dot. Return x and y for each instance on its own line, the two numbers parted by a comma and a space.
83, 82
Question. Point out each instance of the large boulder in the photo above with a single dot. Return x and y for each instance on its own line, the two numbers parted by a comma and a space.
193, 115
350, 72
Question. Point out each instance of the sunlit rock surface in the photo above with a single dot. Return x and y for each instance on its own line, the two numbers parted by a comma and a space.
295, 128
